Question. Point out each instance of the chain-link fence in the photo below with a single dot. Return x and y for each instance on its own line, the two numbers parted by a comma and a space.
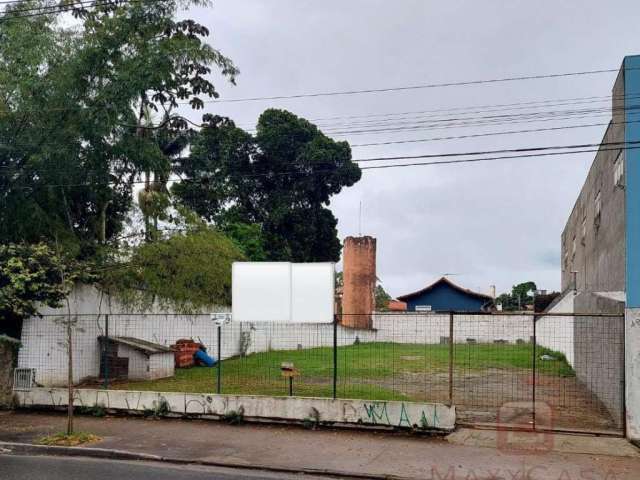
507, 367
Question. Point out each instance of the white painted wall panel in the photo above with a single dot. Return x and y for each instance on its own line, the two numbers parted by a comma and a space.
557, 333
261, 291
312, 292
283, 292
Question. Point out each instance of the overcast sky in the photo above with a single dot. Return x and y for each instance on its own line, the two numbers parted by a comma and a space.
490, 223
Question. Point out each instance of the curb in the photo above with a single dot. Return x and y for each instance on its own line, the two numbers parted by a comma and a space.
11, 448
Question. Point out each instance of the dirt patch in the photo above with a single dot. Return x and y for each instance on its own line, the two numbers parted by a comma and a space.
503, 395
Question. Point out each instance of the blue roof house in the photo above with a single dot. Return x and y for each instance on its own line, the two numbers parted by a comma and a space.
444, 295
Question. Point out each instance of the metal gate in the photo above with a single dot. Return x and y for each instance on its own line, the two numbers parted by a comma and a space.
572, 380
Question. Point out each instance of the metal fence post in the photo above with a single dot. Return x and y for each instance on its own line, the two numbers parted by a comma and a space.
106, 352
335, 355
219, 364
450, 358
534, 380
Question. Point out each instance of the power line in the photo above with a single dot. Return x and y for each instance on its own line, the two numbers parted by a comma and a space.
7, 18
391, 129
427, 123
62, 9
488, 159
477, 108
487, 114
480, 119
403, 126
477, 135
393, 158
420, 140
419, 87
205, 180
52, 8
390, 126
422, 86
465, 124
491, 107
7, 2
65, 8
492, 152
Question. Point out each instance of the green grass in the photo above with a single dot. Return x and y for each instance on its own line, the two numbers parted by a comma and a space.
376, 371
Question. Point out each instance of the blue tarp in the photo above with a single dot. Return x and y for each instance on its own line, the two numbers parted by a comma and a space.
202, 357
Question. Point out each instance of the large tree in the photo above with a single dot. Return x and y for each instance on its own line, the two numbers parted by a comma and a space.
77, 108
281, 179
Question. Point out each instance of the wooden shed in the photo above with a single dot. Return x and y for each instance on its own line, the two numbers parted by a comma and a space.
134, 359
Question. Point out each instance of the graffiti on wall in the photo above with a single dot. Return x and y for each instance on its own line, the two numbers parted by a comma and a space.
383, 413
400, 414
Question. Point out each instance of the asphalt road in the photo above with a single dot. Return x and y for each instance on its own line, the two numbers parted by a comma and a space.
69, 468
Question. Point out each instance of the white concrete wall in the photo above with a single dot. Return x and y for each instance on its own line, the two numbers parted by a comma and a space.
427, 416
43, 338
557, 333
431, 328
44, 346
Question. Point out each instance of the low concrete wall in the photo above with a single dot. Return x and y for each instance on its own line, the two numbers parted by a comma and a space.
426, 416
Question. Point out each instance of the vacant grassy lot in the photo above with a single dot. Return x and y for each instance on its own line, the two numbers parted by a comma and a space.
380, 371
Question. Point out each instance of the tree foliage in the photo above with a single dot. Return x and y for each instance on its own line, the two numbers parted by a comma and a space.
76, 107
185, 272
89, 109
281, 179
31, 275
382, 298
250, 240
521, 295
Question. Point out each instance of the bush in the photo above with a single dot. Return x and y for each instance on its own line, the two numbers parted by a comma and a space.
186, 272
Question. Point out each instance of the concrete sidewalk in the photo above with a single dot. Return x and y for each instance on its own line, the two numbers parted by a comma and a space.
466, 454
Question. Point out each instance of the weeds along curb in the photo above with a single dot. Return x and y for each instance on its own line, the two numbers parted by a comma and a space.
234, 419
22, 449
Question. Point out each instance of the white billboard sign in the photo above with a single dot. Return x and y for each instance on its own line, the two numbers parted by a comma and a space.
282, 292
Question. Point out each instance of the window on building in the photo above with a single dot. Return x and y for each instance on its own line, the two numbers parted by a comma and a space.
573, 247
597, 209
583, 237
618, 171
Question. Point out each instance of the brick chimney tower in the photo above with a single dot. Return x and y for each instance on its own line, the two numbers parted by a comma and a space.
359, 279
